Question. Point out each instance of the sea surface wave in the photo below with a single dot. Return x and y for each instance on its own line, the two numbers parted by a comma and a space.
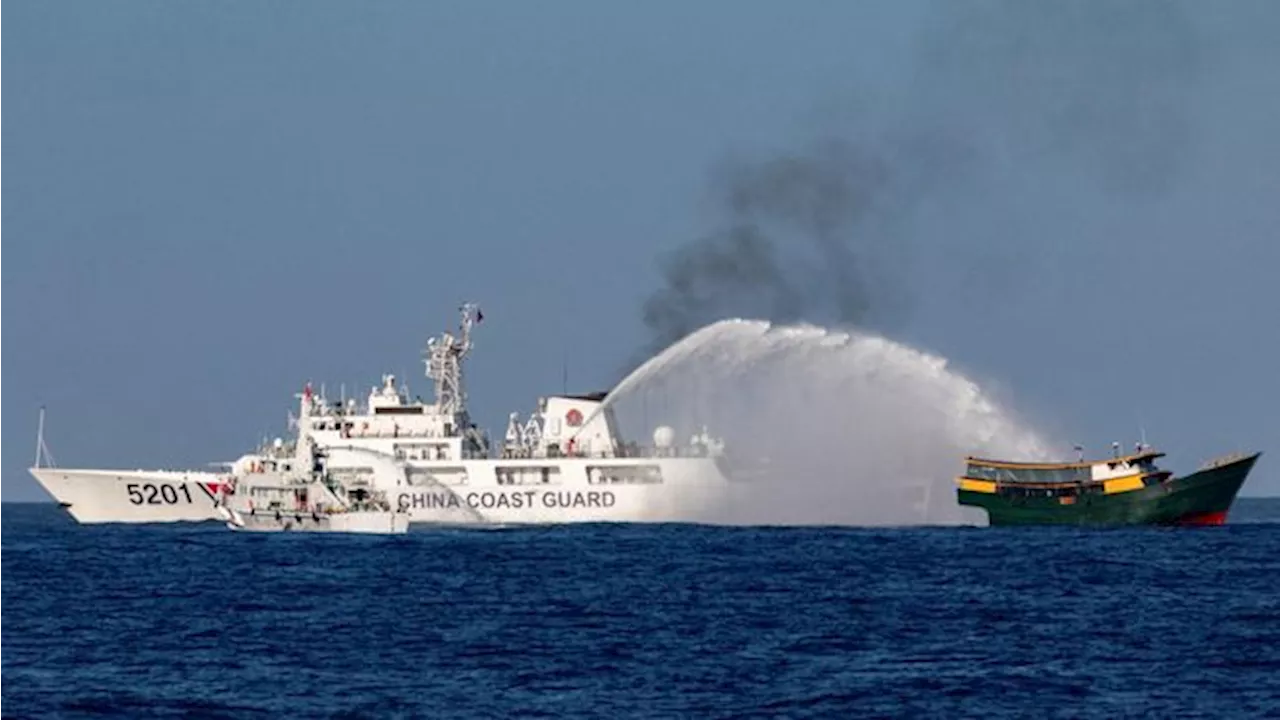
641, 621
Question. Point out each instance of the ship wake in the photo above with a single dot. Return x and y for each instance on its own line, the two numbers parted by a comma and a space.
824, 426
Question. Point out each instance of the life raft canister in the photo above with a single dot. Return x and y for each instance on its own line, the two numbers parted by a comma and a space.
573, 417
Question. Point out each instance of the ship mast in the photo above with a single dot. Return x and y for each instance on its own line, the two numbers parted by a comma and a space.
42, 449
40, 436
444, 357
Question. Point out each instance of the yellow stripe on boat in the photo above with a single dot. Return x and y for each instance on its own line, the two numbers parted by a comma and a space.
1124, 484
982, 486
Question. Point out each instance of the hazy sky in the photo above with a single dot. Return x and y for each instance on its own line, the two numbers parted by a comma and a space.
207, 204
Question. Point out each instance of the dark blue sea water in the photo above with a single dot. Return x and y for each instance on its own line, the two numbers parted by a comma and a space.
638, 621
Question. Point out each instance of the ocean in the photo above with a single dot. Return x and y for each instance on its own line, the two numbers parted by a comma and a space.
660, 621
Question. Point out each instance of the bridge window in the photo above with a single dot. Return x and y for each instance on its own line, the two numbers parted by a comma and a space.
528, 475
624, 474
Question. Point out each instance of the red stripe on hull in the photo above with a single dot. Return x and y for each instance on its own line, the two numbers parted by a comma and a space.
1212, 518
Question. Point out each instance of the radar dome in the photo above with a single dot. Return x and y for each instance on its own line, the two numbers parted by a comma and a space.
664, 437
278, 443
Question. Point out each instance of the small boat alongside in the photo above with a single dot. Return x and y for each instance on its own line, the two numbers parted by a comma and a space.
297, 497
1121, 490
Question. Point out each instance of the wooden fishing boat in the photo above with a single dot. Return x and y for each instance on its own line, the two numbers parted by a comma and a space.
1121, 490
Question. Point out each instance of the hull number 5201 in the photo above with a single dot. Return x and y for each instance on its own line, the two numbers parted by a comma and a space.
149, 494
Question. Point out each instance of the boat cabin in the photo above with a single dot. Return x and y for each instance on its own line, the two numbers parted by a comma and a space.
1071, 472
1109, 476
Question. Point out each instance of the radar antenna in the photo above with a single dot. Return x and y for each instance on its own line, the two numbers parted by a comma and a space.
444, 357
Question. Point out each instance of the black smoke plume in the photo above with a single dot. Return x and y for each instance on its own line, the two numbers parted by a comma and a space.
1004, 94
785, 250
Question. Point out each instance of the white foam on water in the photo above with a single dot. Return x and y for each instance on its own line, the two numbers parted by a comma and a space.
837, 426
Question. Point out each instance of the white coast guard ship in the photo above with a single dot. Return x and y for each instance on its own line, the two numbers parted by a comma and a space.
565, 463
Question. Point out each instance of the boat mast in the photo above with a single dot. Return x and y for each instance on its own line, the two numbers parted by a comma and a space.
40, 436
42, 450
444, 363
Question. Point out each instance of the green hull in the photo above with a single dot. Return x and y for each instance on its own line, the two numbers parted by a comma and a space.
1202, 498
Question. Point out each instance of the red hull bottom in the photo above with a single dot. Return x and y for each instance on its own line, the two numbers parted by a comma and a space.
1211, 518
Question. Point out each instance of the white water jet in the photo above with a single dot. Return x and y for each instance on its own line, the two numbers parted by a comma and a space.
825, 427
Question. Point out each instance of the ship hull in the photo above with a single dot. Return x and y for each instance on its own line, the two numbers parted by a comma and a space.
471, 492
1201, 498
136, 496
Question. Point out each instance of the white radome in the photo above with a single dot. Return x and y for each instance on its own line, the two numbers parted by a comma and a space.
664, 437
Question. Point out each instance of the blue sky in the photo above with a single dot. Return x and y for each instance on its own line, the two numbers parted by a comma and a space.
210, 203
